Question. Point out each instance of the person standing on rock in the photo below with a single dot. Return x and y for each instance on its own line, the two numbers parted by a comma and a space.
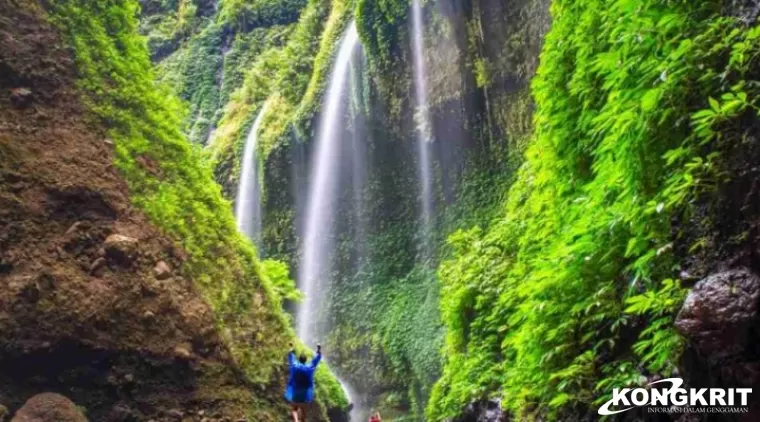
300, 389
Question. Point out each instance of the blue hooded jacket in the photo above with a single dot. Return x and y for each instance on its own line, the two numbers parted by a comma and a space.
300, 387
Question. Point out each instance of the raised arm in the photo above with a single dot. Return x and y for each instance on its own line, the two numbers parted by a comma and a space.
291, 356
318, 357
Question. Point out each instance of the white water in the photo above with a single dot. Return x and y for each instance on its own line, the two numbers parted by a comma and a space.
318, 240
422, 117
314, 274
248, 203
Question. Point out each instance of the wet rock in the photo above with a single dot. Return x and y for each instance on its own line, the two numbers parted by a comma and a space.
483, 411
335, 414
49, 407
162, 271
120, 249
718, 313
21, 97
746, 10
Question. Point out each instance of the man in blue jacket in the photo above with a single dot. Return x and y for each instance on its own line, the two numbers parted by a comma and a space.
300, 389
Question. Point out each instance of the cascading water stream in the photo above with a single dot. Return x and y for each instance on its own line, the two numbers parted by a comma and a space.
358, 149
314, 275
422, 120
248, 202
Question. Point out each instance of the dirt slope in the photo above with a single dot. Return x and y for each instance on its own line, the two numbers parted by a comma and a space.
110, 322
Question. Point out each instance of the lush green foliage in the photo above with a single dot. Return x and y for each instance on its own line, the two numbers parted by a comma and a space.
178, 192
379, 23
291, 76
260, 13
633, 98
169, 22
388, 331
278, 274
172, 183
206, 61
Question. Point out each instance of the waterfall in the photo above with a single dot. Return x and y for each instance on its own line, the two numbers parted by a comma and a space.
318, 244
422, 120
318, 241
248, 202
219, 86
358, 151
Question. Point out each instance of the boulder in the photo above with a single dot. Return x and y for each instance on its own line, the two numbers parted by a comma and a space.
746, 10
121, 250
718, 314
484, 411
162, 271
49, 407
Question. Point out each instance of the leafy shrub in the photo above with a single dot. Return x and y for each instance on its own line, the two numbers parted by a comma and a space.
633, 98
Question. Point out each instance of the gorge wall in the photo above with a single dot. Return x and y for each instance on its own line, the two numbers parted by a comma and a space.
594, 204
126, 286
547, 285
383, 330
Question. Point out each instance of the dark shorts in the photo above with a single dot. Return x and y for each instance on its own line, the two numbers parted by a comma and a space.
300, 395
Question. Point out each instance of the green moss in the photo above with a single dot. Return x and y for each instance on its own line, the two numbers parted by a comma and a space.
291, 77
246, 15
381, 28
207, 60
179, 196
178, 193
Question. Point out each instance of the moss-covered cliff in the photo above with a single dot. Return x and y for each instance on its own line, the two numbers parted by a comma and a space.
481, 57
575, 285
568, 196
128, 287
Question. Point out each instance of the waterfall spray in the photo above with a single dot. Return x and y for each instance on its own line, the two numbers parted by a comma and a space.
314, 275
422, 120
248, 202
318, 240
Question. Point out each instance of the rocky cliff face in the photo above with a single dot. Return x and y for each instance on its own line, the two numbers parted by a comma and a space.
480, 55
96, 303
